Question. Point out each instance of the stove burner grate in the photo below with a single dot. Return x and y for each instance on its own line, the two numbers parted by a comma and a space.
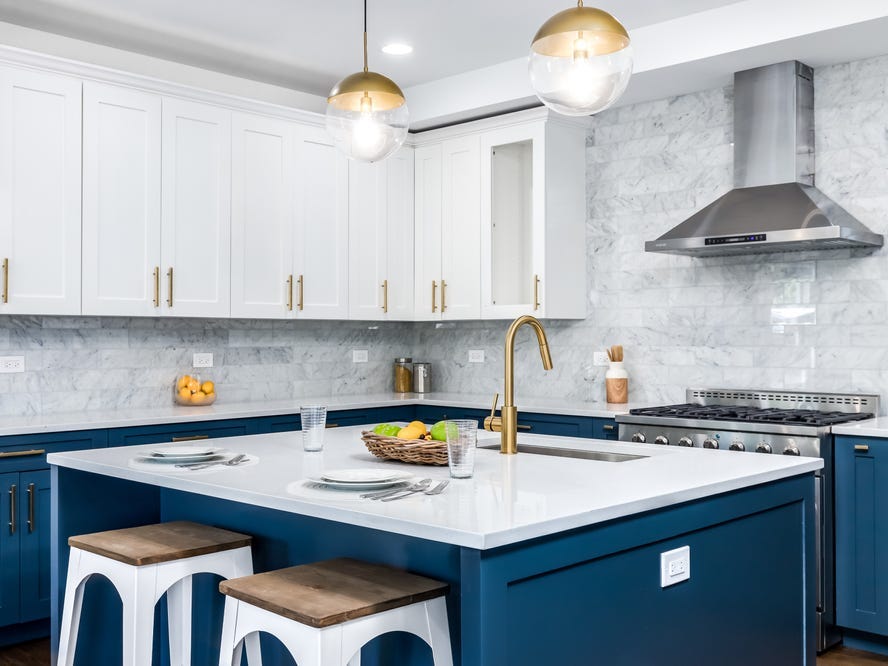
803, 417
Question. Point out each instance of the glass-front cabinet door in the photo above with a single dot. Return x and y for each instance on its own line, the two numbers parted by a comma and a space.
512, 221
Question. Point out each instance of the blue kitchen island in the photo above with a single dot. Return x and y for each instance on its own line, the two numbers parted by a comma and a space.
550, 559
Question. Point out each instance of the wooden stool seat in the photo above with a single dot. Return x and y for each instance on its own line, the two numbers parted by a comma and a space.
334, 591
164, 542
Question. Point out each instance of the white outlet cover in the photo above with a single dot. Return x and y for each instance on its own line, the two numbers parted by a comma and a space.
12, 364
675, 566
360, 356
203, 360
476, 356
600, 358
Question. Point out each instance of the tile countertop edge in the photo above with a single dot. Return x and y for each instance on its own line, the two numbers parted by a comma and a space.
469, 539
877, 427
171, 414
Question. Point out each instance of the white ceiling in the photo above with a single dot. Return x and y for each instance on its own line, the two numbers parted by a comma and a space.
309, 44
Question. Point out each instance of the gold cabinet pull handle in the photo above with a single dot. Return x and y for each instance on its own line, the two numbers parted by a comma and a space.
170, 285
190, 438
536, 292
12, 508
434, 296
21, 454
524, 427
861, 448
443, 296
290, 293
6, 280
301, 283
157, 286
332, 425
385, 295
31, 521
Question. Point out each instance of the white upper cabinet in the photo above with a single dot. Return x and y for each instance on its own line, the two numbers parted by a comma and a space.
195, 212
460, 228
40, 181
400, 255
427, 230
263, 180
321, 269
367, 240
121, 201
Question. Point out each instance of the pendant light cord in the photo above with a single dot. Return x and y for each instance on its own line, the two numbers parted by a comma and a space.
365, 35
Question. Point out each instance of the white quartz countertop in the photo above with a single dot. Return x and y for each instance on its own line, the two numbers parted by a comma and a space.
121, 418
509, 499
877, 427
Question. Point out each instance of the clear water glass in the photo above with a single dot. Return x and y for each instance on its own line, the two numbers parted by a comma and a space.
462, 439
314, 423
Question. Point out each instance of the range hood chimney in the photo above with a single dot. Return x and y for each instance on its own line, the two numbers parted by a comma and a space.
774, 206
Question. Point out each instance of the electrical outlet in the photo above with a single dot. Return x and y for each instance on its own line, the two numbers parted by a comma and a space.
12, 363
203, 360
675, 566
476, 356
359, 356
600, 358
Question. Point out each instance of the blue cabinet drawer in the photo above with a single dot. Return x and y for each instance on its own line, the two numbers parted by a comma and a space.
604, 429
430, 415
553, 424
177, 432
19, 453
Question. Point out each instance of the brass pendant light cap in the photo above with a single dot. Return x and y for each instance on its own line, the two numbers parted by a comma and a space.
347, 94
603, 32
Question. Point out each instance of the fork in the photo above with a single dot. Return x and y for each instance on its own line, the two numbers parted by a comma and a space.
410, 491
437, 490
233, 462
416, 487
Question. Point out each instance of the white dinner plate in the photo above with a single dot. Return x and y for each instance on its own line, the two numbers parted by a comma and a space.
176, 460
363, 476
378, 485
184, 451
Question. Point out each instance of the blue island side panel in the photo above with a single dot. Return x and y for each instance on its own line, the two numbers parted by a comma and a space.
588, 596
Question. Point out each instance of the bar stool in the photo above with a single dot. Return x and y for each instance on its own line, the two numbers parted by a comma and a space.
143, 563
324, 612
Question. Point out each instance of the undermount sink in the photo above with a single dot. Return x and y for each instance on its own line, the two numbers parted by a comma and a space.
601, 456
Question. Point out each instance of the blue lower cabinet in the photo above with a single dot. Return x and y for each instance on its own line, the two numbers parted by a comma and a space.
353, 417
10, 587
431, 415
34, 533
185, 432
861, 466
604, 429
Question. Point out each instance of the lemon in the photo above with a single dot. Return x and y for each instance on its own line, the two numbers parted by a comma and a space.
208, 387
193, 385
198, 396
418, 424
411, 432
183, 382
184, 393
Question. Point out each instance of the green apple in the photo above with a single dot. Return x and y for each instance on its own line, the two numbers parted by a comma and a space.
387, 429
439, 431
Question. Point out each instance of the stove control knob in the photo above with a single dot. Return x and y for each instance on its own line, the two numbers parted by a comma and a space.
763, 447
710, 443
639, 438
791, 450
662, 440
737, 445
685, 441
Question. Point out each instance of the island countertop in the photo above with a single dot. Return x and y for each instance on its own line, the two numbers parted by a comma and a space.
510, 498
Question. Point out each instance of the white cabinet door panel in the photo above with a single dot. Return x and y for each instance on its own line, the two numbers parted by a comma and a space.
121, 200
263, 181
322, 227
399, 233
367, 239
40, 184
427, 230
461, 228
196, 201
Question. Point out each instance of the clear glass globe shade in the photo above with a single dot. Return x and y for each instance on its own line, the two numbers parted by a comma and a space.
368, 136
580, 86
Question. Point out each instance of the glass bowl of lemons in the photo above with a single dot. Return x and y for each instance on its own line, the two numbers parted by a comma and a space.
190, 390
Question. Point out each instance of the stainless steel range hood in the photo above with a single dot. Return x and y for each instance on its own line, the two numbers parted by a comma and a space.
774, 206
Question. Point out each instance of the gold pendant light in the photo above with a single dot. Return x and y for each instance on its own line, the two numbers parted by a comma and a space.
367, 113
580, 61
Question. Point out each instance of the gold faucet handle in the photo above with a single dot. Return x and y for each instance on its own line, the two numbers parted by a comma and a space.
494, 423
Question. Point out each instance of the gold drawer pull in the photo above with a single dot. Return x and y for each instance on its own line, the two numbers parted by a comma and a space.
190, 438
385, 295
290, 293
434, 296
170, 284
861, 448
21, 454
443, 296
157, 286
524, 427
332, 425
536, 292
6, 280
610, 428
301, 283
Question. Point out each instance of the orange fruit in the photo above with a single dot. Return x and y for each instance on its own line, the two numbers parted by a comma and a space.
208, 387
184, 393
193, 385
183, 382
198, 397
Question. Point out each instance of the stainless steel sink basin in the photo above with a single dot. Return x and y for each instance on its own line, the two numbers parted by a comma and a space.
602, 456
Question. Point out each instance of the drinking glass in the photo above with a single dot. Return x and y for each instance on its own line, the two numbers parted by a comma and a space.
314, 422
462, 438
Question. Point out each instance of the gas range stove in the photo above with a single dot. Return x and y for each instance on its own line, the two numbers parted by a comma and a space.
787, 422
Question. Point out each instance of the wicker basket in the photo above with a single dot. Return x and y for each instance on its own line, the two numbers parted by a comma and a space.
416, 451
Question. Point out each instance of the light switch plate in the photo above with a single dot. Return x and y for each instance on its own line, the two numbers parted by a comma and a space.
476, 356
675, 566
203, 360
359, 356
12, 364
600, 358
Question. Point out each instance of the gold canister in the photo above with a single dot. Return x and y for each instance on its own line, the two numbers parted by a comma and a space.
403, 375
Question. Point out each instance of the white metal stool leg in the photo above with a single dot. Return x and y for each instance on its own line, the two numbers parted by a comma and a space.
71, 611
179, 622
138, 599
439, 631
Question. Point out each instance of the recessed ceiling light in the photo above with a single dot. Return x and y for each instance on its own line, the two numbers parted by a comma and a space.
397, 48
